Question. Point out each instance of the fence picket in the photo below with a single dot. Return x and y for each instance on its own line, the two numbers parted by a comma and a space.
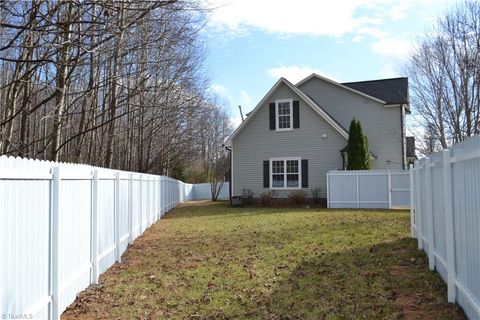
54, 245
48, 199
412, 202
130, 208
368, 189
418, 206
429, 212
118, 253
456, 256
94, 231
389, 175
449, 225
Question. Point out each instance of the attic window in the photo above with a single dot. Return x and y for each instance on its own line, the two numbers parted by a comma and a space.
284, 114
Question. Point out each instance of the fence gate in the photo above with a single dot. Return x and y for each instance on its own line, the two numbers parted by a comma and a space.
385, 189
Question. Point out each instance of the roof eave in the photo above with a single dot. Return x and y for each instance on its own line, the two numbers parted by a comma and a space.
339, 85
310, 102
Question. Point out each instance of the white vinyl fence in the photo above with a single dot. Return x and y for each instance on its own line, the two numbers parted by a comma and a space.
61, 225
368, 189
447, 219
202, 191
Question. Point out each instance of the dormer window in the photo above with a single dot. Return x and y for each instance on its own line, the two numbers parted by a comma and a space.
284, 114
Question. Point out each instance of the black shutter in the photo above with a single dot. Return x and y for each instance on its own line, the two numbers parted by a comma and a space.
266, 174
272, 116
304, 173
296, 114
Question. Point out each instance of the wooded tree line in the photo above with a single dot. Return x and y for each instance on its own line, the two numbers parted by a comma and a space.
444, 72
117, 84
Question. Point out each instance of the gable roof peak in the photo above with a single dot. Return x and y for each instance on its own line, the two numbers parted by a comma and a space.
341, 85
302, 95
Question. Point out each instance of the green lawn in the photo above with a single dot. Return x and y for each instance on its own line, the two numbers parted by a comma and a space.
208, 261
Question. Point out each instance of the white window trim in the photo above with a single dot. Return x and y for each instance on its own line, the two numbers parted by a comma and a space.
276, 114
284, 159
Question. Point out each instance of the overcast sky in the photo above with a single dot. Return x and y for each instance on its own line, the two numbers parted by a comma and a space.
252, 43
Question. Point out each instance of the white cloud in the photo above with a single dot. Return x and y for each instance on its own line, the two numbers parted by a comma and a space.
374, 32
245, 97
399, 10
333, 18
396, 48
221, 92
219, 89
389, 70
357, 38
303, 17
296, 73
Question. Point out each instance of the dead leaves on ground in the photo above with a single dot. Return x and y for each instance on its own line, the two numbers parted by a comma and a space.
207, 261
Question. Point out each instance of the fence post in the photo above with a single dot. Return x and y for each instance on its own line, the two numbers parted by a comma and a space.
418, 205
94, 229
429, 212
165, 199
118, 255
389, 189
130, 208
159, 198
193, 195
328, 189
358, 192
449, 225
140, 205
154, 199
412, 203
54, 241
147, 212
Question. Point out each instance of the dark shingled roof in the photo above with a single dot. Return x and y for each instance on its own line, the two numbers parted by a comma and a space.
392, 91
410, 147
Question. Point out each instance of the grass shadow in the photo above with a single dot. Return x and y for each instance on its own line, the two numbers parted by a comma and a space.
253, 263
385, 281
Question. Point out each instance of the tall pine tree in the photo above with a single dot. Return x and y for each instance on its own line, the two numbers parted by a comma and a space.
365, 152
358, 149
353, 149
368, 161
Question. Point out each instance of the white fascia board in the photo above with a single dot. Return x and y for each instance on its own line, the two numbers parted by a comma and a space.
229, 142
302, 95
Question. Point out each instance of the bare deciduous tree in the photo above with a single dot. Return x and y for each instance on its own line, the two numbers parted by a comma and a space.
119, 84
444, 72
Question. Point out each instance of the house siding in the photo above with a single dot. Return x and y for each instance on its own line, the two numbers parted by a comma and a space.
382, 125
256, 143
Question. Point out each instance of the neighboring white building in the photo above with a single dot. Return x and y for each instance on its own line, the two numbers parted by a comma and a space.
297, 133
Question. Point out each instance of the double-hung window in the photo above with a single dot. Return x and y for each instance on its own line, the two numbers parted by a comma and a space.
285, 173
284, 114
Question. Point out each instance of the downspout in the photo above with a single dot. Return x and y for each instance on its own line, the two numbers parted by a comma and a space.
229, 175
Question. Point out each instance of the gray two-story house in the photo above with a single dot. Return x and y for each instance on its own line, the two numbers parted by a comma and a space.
297, 133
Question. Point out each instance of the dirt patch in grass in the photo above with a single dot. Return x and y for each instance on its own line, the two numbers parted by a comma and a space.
208, 261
